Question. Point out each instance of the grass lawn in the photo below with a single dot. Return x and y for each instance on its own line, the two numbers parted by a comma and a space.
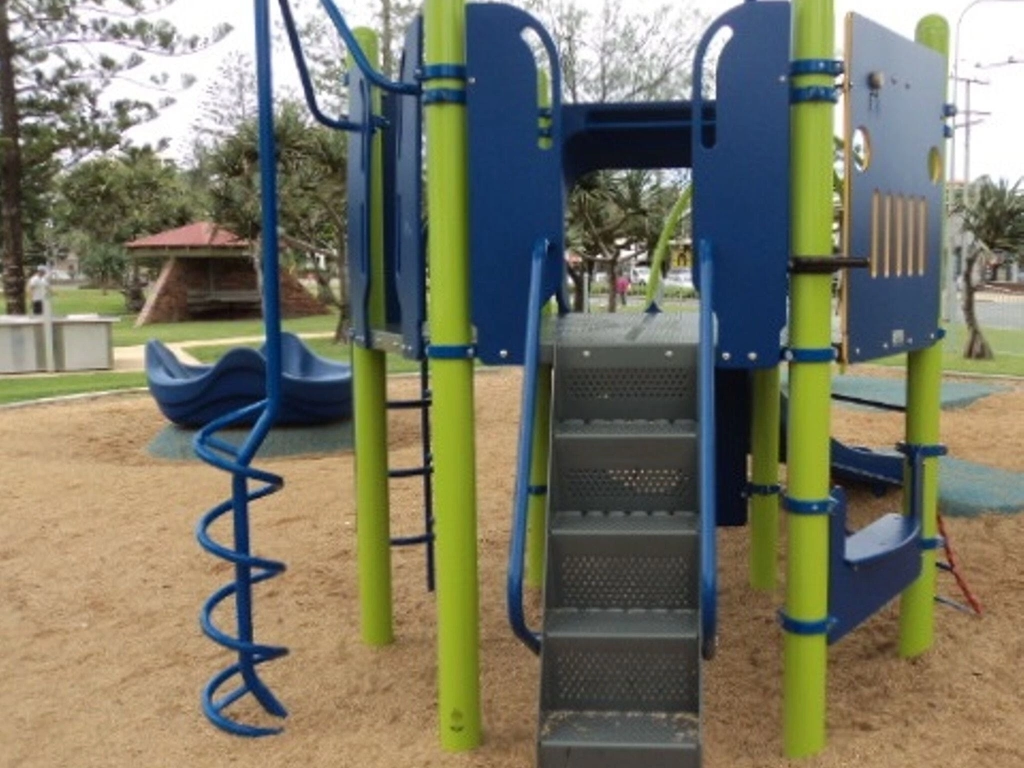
323, 347
73, 301
1007, 345
17, 389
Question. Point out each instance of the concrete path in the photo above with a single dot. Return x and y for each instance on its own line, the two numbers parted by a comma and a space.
134, 358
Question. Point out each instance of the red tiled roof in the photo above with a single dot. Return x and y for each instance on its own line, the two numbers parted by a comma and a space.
202, 234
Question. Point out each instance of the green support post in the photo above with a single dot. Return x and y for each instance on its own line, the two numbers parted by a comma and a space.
924, 383
369, 366
764, 475
805, 653
536, 524
458, 612
536, 515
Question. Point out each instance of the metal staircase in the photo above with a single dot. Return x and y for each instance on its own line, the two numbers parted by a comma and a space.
621, 650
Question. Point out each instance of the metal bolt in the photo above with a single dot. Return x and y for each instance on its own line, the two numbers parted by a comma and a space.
586, 353
726, 356
503, 354
752, 356
668, 353
471, 80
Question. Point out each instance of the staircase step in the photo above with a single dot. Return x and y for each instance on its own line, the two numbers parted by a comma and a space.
616, 465
626, 366
611, 660
570, 739
624, 561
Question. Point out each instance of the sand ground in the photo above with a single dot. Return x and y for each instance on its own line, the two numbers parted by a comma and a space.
101, 580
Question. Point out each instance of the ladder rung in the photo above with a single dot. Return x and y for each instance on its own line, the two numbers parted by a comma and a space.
409, 472
409, 405
408, 541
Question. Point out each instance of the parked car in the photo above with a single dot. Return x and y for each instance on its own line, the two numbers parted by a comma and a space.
640, 275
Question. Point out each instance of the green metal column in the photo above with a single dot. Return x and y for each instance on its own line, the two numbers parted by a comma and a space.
764, 505
805, 654
373, 530
924, 382
536, 517
458, 613
536, 520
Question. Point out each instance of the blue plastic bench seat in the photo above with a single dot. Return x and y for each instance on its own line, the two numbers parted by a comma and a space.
314, 390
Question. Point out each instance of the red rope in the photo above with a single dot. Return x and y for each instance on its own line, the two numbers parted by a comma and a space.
954, 568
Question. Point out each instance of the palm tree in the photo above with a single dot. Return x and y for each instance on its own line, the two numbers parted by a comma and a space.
994, 216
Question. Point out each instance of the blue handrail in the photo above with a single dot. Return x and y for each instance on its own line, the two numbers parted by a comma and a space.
341, 124
375, 77
249, 569
517, 545
706, 410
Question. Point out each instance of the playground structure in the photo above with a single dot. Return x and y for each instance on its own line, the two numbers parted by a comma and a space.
649, 418
314, 390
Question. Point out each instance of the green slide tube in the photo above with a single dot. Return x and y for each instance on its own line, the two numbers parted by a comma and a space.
805, 655
924, 384
458, 611
764, 507
373, 529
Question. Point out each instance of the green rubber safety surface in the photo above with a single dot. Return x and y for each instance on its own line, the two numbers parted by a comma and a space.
967, 489
174, 442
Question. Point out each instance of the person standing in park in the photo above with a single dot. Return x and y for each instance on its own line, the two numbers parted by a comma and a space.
39, 287
622, 288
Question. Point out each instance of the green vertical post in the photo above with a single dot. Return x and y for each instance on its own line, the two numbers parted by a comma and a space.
373, 530
536, 520
536, 513
764, 475
458, 613
810, 383
924, 383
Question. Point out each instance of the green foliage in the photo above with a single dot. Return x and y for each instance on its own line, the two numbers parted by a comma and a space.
993, 213
60, 57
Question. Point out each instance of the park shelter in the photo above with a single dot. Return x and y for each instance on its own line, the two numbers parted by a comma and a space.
208, 271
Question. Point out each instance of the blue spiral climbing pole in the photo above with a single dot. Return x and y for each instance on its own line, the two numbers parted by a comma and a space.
248, 484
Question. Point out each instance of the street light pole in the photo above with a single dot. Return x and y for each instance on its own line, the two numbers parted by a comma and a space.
950, 303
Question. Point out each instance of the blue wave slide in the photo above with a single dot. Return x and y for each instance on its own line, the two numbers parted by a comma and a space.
314, 390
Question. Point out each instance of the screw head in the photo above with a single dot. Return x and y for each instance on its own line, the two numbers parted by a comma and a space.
668, 353
586, 353
503, 354
752, 356
726, 356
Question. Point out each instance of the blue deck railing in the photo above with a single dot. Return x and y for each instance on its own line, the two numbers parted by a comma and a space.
706, 415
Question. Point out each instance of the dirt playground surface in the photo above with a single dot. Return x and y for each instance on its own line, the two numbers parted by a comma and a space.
101, 582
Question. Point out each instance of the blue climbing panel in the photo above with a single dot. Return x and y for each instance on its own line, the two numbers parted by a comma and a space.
895, 93
741, 173
515, 184
407, 258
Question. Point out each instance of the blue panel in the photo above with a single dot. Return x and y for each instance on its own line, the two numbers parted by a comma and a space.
741, 198
634, 135
732, 417
515, 186
407, 203
895, 209
390, 104
869, 568
359, 145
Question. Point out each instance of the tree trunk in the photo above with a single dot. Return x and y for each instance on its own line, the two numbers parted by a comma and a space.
577, 275
976, 348
387, 37
613, 286
12, 238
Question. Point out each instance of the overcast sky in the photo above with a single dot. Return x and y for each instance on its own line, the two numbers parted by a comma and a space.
990, 33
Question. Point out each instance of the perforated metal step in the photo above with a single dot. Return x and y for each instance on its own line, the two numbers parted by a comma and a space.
626, 367
570, 739
644, 661
623, 560
616, 465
